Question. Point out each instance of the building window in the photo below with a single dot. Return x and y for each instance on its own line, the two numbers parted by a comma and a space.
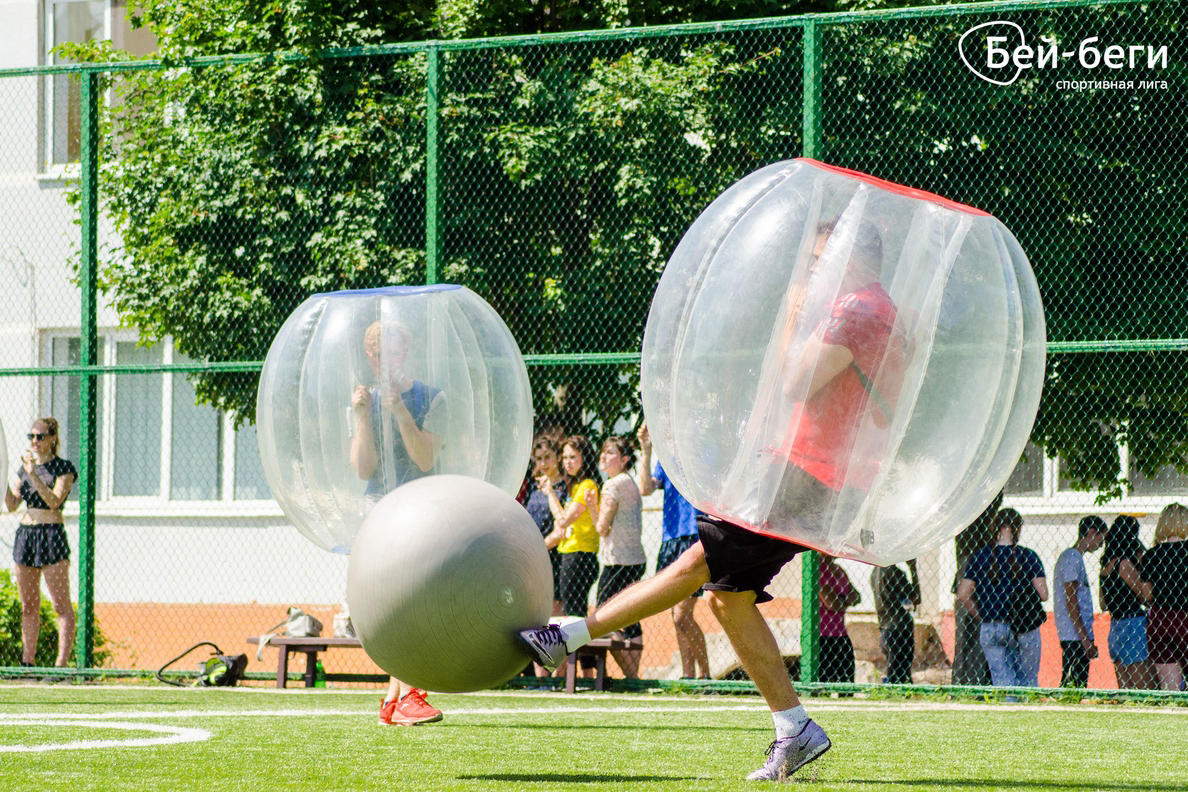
64, 399
1166, 481
136, 441
79, 21
163, 445
67, 21
1028, 476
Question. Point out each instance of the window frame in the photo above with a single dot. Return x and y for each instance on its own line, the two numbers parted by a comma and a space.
48, 167
162, 504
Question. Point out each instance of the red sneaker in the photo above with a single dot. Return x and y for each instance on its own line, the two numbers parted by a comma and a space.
408, 711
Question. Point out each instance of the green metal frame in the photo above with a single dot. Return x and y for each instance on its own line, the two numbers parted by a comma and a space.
89, 371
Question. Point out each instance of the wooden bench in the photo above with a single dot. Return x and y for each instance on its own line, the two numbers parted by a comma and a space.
310, 647
596, 649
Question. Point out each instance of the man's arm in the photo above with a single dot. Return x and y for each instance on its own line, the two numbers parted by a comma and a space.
818, 364
914, 595
965, 592
364, 459
421, 444
647, 484
1074, 613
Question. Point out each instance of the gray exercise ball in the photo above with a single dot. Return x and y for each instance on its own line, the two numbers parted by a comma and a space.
443, 573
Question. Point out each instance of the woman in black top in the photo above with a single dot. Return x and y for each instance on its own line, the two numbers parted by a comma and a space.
1122, 595
1164, 573
42, 483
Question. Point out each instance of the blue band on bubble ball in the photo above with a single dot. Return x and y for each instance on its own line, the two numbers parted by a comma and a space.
396, 291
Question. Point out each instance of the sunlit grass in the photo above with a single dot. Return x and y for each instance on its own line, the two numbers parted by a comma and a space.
330, 740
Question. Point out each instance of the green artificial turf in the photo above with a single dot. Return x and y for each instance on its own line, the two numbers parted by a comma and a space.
330, 740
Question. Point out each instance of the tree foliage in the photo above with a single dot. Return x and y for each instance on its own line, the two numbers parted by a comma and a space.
569, 172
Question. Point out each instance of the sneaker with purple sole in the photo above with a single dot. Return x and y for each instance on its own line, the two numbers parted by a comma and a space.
545, 645
787, 755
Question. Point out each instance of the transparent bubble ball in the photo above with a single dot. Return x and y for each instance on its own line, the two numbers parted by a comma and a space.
365, 390
843, 362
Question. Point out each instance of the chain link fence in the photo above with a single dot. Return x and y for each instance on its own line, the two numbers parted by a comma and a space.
159, 221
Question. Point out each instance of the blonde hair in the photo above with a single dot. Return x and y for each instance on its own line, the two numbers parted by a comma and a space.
1173, 523
380, 329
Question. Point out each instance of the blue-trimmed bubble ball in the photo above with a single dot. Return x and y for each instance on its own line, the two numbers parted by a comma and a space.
363, 391
840, 361
446, 569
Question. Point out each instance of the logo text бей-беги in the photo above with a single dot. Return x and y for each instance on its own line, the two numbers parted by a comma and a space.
998, 52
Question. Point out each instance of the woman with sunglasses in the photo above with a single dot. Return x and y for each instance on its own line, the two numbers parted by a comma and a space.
40, 548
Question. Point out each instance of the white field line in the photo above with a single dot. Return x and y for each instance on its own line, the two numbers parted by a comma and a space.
600, 708
167, 735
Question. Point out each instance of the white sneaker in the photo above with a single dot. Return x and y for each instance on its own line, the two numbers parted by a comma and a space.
545, 645
786, 756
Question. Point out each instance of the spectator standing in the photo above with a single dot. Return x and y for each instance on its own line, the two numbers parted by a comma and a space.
40, 548
896, 596
546, 475
1073, 605
1121, 594
836, 595
574, 533
991, 579
620, 524
1164, 571
678, 535
969, 664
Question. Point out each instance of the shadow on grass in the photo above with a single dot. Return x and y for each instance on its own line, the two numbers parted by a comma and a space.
571, 778
1002, 783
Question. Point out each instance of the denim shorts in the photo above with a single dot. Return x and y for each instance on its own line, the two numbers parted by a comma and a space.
1128, 640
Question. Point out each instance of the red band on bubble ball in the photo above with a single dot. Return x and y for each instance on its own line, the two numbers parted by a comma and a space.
901, 189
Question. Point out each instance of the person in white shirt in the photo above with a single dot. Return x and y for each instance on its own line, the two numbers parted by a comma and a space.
1073, 603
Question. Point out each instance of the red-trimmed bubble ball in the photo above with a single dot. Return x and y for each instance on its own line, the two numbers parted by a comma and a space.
844, 362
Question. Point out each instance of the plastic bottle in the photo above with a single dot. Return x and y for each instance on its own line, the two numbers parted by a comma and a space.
319, 675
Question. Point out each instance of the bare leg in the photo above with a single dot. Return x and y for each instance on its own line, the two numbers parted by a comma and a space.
756, 646
396, 689
57, 581
1135, 676
1171, 676
28, 581
1123, 674
660, 592
628, 660
1145, 676
690, 640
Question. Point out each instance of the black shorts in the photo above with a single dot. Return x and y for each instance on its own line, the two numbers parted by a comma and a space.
555, 562
579, 571
614, 579
40, 545
742, 560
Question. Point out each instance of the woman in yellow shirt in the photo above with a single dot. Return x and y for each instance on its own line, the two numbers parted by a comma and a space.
574, 534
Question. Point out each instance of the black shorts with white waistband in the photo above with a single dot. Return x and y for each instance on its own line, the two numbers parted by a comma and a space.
40, 545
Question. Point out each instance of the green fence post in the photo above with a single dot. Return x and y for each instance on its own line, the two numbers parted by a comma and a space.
810, 617
811, 98
432, 212
89, 216
811, 140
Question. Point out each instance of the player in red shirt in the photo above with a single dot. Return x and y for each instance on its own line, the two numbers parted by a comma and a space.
840, 382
